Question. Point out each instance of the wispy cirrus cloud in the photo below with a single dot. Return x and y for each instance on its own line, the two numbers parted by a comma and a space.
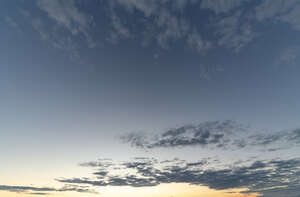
67, 15
160, 24
231, 24
62, 24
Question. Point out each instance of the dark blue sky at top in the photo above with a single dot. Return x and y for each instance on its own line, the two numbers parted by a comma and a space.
89, 71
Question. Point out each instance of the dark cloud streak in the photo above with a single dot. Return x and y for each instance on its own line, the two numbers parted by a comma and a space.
45, 190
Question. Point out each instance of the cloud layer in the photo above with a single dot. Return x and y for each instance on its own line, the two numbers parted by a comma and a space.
259, 176
200, 25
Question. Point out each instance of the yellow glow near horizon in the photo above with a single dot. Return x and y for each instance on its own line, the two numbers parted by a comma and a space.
163, 190
174, 190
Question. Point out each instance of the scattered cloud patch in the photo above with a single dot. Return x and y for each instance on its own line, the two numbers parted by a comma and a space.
66, 14
215, 135
230, 24
234, 32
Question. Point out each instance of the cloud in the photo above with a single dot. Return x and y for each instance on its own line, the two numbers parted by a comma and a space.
234, 32
67, 15
195, 41
215, 135
39, 193
160, 23
259, 176
62, 24
221, 6
65, 43
232, 24
288, 56
11, 22
212, 133
119, 31
45, 190
280, 10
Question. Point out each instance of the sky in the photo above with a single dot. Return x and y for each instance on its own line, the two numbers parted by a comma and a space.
160, 98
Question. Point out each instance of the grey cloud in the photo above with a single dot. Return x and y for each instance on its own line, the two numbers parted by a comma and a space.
280, 10
215, 135
259, 176
234, 31
169, 26
45, 190
100, 163
195, 41
161, 22
25, 188
291, 137
232, 24
68, 24
39, 193
49, 34
207, 134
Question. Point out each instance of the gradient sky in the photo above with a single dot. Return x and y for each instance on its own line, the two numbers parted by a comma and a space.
150, 98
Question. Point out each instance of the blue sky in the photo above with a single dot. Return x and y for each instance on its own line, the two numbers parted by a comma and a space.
85, 80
